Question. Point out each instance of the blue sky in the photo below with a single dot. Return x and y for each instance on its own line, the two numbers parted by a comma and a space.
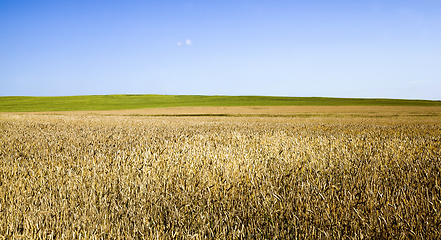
368, 49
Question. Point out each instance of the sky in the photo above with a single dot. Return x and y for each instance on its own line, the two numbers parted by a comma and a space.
341, 48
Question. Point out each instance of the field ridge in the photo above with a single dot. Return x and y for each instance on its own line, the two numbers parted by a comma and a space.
122, 102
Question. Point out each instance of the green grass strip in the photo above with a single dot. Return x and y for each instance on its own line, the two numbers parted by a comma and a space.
120, 102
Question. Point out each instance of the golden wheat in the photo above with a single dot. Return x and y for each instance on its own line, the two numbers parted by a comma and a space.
83, 177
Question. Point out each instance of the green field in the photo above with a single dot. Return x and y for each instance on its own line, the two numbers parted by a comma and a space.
119, 102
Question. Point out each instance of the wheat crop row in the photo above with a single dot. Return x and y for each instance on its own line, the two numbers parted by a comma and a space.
82, 177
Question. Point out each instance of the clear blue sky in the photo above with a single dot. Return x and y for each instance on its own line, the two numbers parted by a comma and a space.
386, 49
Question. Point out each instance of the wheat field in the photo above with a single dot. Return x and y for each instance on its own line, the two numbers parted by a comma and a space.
122, 177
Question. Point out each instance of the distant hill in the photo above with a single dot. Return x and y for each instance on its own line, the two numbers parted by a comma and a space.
120, 102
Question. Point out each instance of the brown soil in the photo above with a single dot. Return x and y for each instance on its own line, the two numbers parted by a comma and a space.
270, 111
